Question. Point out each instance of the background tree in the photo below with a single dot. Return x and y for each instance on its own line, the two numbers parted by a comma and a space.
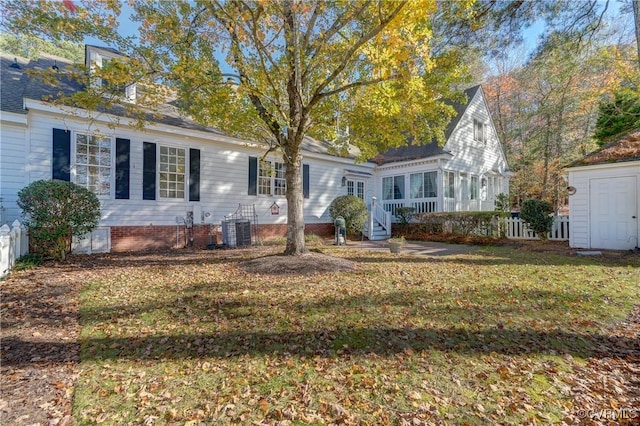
28, 46
303, 67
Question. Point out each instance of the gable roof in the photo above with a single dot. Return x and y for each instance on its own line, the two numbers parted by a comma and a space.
627, 148
416, 151
16, 85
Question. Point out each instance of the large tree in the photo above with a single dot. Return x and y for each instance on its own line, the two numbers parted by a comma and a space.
361, 72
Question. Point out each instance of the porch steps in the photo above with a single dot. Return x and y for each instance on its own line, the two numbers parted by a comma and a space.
378, 233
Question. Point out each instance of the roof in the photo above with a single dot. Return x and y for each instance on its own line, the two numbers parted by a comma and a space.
627, 148
417, 151
16, 85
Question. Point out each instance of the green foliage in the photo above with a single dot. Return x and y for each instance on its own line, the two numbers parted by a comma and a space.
28, 261
502, 203
537, 215
30, 46
54, 211
352, 209
404, 214
622, 114
489, 224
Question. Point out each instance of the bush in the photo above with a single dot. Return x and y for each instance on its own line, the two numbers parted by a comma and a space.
404, 214
502, 203
487, 224
54, 211
537, 215
28, 261
353, 210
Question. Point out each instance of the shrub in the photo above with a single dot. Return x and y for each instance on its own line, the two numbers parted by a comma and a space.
54, 211
28, 261
404, 214
502, 203
537, 215
490, 224
352, 209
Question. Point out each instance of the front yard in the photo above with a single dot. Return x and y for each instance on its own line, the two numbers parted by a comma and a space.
497, 336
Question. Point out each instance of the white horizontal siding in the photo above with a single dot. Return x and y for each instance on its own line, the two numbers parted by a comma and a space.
579, 202
12, 169
223, 177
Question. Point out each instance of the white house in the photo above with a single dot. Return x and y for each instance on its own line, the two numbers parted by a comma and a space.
169, 184
604, 204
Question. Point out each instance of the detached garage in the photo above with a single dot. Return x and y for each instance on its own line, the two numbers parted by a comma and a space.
604, 201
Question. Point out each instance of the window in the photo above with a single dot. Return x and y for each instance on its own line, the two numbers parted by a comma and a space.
93, 163
355, 187
423, 185
172, 172
393, 188
479, 132
449, 184
474, 193
271, 178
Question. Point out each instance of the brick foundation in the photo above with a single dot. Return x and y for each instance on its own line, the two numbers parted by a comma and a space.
141, 238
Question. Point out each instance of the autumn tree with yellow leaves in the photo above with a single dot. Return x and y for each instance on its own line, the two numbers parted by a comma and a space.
358, 72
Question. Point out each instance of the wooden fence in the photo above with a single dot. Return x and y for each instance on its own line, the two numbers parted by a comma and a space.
14, 242
518, 230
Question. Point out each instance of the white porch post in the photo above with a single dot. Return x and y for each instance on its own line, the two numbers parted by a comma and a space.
371, 213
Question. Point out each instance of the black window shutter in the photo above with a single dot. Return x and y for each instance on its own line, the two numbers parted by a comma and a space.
305, 180
194, 175
253, 176
123, 166
149, 171
61, 162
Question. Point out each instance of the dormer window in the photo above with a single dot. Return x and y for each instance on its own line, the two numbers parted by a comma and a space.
99, 58
479, 131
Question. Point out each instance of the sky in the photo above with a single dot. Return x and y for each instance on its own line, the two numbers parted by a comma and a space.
531, 34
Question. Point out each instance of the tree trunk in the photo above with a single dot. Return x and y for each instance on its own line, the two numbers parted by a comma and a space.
295, 214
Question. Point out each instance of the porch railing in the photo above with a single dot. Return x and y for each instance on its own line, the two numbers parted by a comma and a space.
380, 215
426, 205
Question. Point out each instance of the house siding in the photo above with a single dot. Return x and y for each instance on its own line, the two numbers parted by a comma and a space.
579, 203
223, 181
12, 170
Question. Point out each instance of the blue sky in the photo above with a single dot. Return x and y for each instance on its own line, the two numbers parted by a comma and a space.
531, 34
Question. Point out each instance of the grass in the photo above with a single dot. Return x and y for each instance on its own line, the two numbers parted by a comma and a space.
489, 337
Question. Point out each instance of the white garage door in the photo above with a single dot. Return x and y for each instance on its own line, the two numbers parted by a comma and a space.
613, 209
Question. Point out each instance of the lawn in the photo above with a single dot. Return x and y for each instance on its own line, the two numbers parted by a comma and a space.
490, 337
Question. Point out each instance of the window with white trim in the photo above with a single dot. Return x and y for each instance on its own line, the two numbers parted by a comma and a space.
393, 188
474, 192
423, 185
93, 163
479, 131
449, 184
272, 178
355, 187
172, 172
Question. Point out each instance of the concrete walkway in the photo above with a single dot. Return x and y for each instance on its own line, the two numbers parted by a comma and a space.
416, 248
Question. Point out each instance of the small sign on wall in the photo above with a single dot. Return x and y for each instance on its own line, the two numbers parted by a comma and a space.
275, 209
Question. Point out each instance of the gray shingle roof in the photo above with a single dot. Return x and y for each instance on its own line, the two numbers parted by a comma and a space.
417, 151
12, 84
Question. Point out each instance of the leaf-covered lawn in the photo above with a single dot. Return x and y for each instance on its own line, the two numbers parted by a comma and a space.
481, 338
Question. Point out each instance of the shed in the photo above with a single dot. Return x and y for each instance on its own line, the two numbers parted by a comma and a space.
604, 204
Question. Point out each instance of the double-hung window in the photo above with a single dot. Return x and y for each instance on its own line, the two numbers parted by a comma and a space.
423, 185
93, 163
393, 188
172, 172
479, 131
271, 178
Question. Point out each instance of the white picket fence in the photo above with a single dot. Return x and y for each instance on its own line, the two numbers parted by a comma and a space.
14, 242
518, 230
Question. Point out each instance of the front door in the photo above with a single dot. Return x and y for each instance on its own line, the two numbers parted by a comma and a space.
613, 205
